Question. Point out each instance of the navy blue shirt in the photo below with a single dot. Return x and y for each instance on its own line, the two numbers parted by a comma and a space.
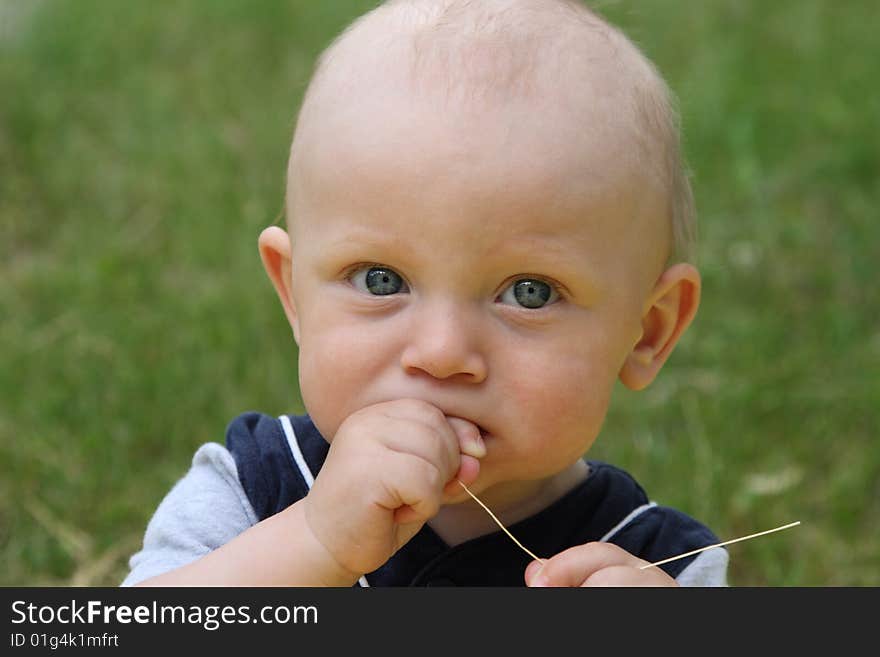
597, 509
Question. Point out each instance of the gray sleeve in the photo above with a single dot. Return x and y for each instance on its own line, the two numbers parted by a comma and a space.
708, 569
205, 509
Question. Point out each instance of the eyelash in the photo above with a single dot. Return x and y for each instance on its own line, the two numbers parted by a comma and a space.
556, 290
349, 273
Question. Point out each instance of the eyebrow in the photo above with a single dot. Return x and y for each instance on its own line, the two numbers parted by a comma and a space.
553, 245
361, 237
543, 253
542, 247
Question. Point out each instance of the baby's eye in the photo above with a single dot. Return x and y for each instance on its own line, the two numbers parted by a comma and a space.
530, 293
378, 280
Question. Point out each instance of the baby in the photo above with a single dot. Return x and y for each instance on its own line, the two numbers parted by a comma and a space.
488, 224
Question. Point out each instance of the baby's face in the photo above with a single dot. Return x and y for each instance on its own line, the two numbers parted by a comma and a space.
494, 265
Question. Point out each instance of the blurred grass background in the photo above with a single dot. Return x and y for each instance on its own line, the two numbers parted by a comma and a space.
142, 149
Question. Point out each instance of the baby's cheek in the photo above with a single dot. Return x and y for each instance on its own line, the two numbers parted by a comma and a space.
563, 410
322, 387
563, 387
337, 375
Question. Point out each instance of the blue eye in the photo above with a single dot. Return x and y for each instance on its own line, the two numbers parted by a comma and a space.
378, 280
530, 293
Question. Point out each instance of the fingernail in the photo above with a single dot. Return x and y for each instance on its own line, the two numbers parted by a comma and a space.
474, 445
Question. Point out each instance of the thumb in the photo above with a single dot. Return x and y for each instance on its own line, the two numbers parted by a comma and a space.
470, 442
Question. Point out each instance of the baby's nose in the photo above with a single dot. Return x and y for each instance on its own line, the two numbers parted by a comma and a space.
444, 343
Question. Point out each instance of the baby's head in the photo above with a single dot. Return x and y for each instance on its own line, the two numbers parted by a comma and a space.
487, 210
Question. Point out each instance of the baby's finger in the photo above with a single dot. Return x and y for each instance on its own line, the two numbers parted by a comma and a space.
531, 570
469, 439
629, 576
467, 473
574, 566
422, 434
414, 490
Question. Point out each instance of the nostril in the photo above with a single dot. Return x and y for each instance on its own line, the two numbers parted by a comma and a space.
444, 359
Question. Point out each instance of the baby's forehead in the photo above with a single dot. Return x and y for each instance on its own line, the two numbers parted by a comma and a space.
467, 64
464, 59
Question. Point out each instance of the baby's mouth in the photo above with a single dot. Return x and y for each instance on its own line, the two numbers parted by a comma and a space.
484, 434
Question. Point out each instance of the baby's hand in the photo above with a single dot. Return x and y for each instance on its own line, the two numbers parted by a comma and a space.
390, 467
595, 564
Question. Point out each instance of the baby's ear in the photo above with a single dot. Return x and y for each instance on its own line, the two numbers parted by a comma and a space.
275, 252
670, 309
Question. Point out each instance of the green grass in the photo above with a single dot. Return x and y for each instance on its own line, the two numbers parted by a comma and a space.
142, 149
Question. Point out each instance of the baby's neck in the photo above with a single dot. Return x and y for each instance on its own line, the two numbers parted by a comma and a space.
457, 523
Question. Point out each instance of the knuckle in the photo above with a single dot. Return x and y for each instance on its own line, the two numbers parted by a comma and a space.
429, 507
607, 576
603, 550
433, 477
426, 412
